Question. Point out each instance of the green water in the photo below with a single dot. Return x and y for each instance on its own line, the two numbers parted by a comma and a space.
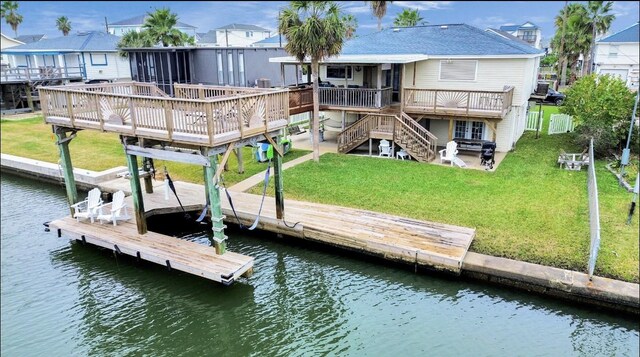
63, 299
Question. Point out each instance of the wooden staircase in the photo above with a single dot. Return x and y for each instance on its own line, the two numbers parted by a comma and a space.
404, 131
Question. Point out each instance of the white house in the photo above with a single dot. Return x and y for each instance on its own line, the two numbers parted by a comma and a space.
456, 81
618, 54
528, 32
234, 35
6, 42
85, 55
119, 28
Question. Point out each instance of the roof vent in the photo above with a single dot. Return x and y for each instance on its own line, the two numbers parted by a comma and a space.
444, 27
396, 29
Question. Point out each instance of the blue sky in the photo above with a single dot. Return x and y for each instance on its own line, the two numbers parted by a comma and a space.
40, 16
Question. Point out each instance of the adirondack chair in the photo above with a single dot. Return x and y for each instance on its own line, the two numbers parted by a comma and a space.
88, 208
449, 153
384, 149
114, 211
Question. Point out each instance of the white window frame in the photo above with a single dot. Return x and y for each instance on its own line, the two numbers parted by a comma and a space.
231, 79
242, 79
475, 77
220, 68
612, 53
340, 65
468, 131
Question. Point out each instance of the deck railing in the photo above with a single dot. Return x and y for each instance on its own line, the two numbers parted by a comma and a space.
201, 91
39, 74
355, 97
300, 99
456, 102
125, 87
191, 121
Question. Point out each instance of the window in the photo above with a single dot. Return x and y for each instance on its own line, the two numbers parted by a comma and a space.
241, 69
230, 68
613, 50
98, 59
220, 71
249, 33
469, 130
338, 72
458, 70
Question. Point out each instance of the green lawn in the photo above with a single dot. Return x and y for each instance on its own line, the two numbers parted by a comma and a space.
528, 209
93, 150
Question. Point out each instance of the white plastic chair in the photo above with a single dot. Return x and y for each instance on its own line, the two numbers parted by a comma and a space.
384, 149
449, 153
88, 208
117, 212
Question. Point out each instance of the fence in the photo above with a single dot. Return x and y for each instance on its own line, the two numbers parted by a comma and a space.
594, 212
560, 123
532, 121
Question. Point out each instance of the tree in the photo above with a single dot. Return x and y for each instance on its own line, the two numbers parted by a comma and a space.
314, 30
600, 20
601, 107
574, 38
134, 39
63, 25
408, 18
379, 9
160, 27
351, 24
11, 16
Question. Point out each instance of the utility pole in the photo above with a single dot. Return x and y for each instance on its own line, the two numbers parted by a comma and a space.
106, 24
563, 75
626, 153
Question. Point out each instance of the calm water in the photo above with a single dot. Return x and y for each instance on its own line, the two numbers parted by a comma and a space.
61, 299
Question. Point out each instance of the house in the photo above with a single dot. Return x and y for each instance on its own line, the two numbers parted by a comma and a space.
618, 54
6, 42
239, 35
445, 82
81, 56
274, 41
528, 32
135, 24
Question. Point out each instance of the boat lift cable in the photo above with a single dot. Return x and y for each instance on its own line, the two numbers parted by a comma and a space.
173, 188
264, 193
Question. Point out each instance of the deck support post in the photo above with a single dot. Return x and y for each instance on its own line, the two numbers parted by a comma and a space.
238, 152
450, 129
27, 88
147, 164
215, 205
67, 168
279, 183
136, 193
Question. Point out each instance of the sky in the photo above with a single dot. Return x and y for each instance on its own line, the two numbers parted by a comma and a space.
40, 16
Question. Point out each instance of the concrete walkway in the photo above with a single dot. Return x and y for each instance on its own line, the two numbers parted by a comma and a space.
246, 184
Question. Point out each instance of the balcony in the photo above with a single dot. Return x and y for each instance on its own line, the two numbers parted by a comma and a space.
23, 74
354, 98
300, 100
479, 104
528, 38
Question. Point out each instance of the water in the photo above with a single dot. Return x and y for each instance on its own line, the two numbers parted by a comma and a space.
63, 299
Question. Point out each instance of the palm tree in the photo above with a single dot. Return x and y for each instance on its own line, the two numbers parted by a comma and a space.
315, 30
408, 18
577, 36
600, 20
160, 27
9, 12
351, 24
134, 39
379, 9
63, 25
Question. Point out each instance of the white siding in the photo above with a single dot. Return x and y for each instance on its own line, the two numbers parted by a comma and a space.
626, 58
357, 77
116, 68
238, 38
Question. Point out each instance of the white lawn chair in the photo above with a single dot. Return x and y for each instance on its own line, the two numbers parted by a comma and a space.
449, 153
89, 207
384, 149
117, 210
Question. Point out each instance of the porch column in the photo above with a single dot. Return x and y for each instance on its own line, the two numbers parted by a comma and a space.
136, 193
217, 224
278, 181
35, 61
344, 119
450, 129
282, 74
379, 86
67, 168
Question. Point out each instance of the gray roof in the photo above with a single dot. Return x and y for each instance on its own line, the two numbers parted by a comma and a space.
139, 21
242, 27
436, 40
509, 36
630, 34
94, 41
209, 37
29, 38
272, 40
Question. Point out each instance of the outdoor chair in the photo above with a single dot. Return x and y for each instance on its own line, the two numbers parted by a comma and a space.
449, 153
88, 208
115, 211
384, 149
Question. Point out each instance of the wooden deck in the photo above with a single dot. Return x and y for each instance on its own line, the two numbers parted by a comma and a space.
475, 104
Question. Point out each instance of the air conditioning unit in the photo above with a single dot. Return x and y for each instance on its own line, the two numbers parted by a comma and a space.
264, 83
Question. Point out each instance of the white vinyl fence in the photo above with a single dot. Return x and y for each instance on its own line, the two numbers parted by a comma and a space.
532, 121
594, 212
560, 123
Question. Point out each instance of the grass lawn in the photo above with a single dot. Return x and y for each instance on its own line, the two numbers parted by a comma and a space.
93, 150
528, 209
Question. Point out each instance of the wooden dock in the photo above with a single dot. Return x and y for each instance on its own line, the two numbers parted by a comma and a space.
427, 244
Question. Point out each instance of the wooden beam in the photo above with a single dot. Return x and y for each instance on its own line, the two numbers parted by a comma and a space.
279, 185
219, 239
223, 162
450, 129
238, 152
136, 193
160, 154
275, 147
493, 127
67, 167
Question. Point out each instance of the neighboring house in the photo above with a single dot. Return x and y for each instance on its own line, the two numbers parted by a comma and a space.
207, 39
618, 54
224, 66
456, 81
239, 35
135, 24
6, 42
86, 56
528, 32
31, 38
274, 41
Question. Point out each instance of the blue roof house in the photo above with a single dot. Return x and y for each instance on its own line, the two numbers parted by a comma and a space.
454, 81
528, 32
81, 56
135, 23
617, 54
